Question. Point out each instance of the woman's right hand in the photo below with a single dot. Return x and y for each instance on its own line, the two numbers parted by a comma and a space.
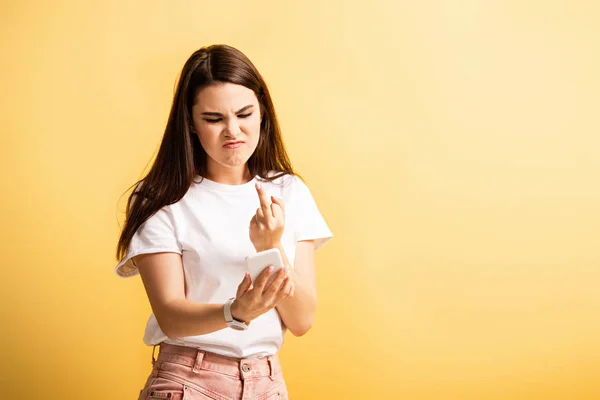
255, 299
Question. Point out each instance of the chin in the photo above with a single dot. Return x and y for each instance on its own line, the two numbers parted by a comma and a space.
235, 161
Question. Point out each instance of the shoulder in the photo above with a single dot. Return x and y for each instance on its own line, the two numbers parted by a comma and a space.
284, 180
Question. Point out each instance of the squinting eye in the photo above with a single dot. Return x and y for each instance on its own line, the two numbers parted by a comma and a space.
244, 115
212, 121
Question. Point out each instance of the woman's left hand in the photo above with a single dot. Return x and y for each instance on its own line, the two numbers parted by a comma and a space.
266, 226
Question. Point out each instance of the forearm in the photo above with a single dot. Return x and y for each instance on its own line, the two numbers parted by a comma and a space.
298, 311
180, 318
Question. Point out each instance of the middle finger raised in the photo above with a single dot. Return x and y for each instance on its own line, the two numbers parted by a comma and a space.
265, 204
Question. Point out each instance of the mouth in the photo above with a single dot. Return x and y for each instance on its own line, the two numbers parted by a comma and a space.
233, 145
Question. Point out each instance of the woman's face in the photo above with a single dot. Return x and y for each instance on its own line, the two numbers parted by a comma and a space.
227, 121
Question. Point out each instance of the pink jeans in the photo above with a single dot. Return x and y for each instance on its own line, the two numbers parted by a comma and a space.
185, 373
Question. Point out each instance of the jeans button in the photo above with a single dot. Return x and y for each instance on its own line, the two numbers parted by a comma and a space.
245, 368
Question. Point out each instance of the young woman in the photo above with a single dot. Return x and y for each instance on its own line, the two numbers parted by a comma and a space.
221, 188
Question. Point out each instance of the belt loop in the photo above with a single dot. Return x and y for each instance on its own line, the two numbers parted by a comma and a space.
198, 363
153, 349
271, 369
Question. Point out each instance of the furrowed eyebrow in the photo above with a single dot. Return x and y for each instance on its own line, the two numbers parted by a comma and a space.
216, 114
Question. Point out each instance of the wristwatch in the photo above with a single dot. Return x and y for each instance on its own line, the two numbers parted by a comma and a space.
231, 322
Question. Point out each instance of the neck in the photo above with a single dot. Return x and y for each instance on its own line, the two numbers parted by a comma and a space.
229, 176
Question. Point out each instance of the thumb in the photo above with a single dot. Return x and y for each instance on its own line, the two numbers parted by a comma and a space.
245, 285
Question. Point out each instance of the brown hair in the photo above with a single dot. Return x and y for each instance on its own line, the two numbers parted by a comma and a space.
181, 156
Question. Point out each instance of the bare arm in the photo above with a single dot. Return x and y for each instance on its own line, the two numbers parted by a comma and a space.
163, 278
298, 311
162, 275
266, 229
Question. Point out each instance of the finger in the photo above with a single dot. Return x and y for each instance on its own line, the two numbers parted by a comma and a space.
260, 215
253, 221
287, 286
275, 284
244, 286
264, 199
279, 202
292, 286
277, 211
261, 281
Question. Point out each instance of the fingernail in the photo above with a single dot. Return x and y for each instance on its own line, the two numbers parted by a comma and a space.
287, 270
270, 268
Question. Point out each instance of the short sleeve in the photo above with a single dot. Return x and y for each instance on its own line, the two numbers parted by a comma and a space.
309, 224
156, 235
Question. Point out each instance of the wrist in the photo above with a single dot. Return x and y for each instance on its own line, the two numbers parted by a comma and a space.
236, 314
276, 245
230, 319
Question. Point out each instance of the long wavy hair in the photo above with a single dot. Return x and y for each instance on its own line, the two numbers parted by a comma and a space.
181, 157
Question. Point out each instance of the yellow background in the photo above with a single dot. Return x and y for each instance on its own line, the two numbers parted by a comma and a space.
453, 147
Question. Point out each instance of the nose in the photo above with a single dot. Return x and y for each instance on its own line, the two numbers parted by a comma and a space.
232, 129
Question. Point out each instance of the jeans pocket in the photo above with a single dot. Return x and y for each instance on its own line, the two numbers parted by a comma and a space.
200, 393
277, 393
165, 394
160, 388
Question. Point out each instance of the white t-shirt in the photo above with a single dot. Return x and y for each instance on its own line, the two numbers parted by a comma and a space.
209, 228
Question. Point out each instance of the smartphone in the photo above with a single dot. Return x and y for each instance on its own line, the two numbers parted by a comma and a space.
256, 263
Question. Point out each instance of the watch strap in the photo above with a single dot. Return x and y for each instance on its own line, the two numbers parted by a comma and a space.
232, 322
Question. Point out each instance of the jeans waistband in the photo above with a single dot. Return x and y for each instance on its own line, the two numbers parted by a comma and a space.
202, 360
